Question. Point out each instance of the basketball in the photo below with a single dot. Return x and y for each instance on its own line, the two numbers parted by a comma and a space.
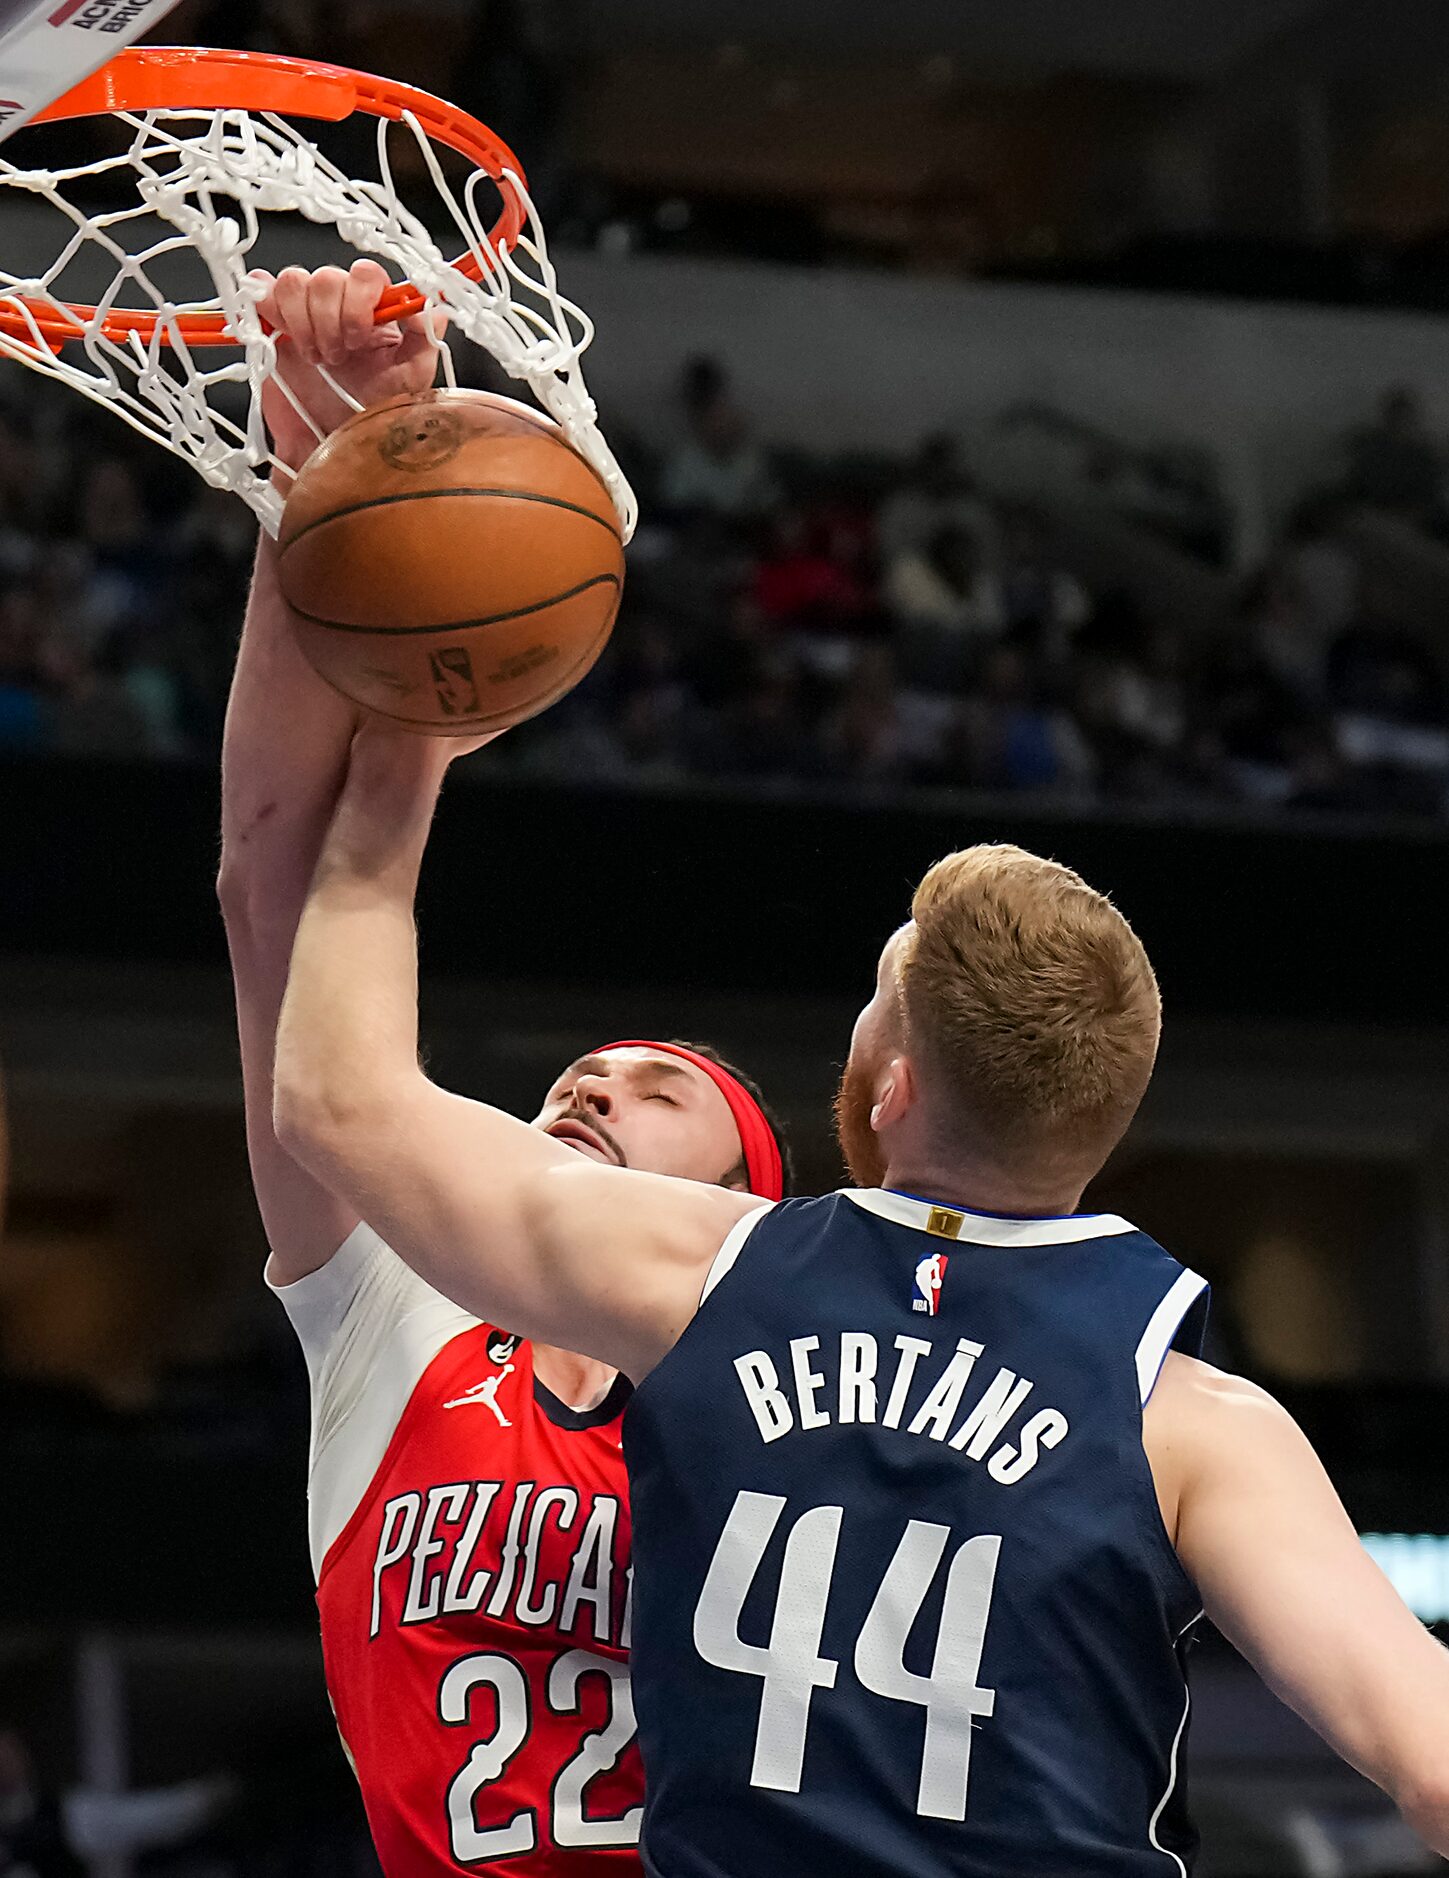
454, 565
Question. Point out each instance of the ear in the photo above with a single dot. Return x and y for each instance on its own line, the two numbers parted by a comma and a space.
737, 1180
895, 1094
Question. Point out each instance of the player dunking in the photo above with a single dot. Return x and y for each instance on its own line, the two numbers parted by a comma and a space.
912, 1589
468, 1514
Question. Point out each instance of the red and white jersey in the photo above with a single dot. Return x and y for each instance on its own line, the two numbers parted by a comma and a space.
470, 1536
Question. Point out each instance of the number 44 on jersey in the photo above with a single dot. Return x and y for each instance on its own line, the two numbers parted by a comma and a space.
792, 1668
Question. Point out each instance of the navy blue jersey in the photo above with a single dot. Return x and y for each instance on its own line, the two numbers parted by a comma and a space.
904, 1601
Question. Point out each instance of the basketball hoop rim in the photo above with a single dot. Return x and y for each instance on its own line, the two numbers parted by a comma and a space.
204, 78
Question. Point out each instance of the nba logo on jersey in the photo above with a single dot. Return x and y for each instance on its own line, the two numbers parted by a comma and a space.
929, 1274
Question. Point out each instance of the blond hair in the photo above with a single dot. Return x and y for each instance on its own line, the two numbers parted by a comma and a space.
1032, 1008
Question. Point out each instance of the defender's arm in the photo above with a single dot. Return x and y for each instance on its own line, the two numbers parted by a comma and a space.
1284, 1577
504, 1219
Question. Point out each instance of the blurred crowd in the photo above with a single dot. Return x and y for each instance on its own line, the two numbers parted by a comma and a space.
842, 626
122, 580
887, 626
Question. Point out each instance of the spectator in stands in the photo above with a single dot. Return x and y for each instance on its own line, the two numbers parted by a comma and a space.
1170, 488
1253, 717
652, 701
1036, 591
73, 604
808, 575
717, 469
729, 656
152, 669
1324, 779
943, 582
1317, 554
192, 639
22, 493
1391, 711
1280, 624
763, 731
1009, 735
90, 707
938, 493
861, 738
879, 731
1129, 697
127, 554
1394, 463
1188, 503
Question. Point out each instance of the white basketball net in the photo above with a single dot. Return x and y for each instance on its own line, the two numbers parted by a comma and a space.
209, 175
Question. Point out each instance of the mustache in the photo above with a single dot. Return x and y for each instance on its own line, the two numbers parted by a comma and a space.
590, 1121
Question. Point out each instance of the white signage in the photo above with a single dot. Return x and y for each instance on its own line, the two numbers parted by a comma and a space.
46, 46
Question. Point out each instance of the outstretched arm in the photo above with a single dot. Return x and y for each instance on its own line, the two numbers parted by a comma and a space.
509, 1222
1284, 1577
284, 752
283, 758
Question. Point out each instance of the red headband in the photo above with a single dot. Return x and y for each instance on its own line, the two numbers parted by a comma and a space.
757, 1138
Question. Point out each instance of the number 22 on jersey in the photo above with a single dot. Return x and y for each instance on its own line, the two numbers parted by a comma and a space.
571, 1826
791, 1667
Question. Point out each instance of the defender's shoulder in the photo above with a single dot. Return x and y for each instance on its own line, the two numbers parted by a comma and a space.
1194, 1402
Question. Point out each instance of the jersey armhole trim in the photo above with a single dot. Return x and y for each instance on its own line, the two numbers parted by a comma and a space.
1162, 1328
734, 1243
1173, 1765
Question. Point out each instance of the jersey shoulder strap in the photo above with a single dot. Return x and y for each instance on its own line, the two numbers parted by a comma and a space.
1124, 1279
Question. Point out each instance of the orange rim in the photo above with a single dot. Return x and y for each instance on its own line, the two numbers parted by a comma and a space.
180, 78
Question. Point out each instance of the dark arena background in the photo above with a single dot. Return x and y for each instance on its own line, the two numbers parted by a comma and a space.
1040, 416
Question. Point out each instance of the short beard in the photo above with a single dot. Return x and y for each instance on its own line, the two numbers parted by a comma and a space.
573, 1113
859, 1142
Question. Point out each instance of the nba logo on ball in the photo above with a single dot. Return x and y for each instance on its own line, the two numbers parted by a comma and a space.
453, 677
929, 1274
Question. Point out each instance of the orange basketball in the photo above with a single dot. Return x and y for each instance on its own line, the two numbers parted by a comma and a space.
455, 566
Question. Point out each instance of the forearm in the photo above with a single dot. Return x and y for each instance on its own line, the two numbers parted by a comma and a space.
1338, 1647
347, 1043
1284, 1576
1426, 1809
284, 755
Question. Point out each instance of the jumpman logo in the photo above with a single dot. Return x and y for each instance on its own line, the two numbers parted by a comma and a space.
485, 1393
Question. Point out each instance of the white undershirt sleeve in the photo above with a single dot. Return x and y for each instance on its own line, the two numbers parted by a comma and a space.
369, 1327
